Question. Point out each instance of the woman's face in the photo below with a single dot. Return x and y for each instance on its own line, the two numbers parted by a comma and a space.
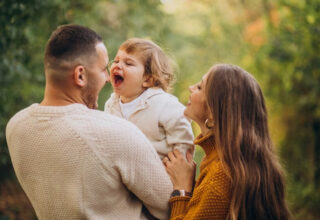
197, 108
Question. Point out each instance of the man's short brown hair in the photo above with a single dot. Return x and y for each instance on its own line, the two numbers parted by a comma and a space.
66, 45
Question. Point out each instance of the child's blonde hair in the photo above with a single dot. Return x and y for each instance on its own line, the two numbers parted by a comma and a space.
156, 63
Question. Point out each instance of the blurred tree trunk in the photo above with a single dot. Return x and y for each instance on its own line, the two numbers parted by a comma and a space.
316, 129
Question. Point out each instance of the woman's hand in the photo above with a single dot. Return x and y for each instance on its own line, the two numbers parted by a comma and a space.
180, 170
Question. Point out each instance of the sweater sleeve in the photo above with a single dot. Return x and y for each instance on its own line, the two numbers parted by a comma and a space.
144, 174
178, 129
209, 205
210, 200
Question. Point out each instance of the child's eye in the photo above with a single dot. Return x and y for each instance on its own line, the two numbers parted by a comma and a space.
129, 64
116, 61
199, 87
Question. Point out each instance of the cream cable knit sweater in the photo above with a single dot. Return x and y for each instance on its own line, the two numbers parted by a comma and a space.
77, 163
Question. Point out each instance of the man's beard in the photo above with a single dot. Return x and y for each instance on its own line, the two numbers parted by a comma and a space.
89, 94
90, 100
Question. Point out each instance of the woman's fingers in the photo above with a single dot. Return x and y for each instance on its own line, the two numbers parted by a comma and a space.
189, 157
177, 153
181, 171
171, 156
166, 161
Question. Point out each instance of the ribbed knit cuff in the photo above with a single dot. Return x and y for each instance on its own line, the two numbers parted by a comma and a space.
178, 205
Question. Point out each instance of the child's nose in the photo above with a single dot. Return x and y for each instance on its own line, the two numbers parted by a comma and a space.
117, 65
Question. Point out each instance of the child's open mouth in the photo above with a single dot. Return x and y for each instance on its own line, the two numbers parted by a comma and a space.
117, 80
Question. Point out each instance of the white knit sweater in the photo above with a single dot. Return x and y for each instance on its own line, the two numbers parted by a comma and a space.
77, 163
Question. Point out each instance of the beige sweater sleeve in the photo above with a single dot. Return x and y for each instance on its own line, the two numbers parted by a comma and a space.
143, 172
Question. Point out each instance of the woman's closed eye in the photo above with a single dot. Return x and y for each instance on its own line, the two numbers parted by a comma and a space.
199, 85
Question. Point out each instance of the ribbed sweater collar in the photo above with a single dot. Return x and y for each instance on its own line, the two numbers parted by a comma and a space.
206, 142
53, 110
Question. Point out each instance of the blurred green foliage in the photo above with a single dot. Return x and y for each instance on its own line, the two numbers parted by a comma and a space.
291, 64
276, 40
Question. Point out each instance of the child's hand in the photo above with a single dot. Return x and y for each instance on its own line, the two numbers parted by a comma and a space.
181, 171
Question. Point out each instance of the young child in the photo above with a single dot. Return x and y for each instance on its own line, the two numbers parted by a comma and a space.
141, 75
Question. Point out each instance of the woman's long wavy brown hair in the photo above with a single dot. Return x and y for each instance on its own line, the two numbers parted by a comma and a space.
244, 144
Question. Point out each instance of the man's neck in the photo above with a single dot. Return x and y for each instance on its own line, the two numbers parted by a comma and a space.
58, 97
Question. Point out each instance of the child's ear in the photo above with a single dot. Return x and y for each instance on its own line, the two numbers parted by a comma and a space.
148, 82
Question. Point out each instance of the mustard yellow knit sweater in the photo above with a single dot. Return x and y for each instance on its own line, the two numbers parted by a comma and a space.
211, 194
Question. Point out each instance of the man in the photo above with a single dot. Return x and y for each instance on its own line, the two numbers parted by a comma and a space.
77, 163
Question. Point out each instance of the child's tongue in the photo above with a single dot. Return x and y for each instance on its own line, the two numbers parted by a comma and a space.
118, 80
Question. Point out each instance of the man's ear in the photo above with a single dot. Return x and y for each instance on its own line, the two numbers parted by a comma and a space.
148, 82
79, 76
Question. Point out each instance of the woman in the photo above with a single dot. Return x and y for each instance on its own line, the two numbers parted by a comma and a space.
240, 176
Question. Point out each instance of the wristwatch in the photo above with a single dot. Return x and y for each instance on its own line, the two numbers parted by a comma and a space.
180, 192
